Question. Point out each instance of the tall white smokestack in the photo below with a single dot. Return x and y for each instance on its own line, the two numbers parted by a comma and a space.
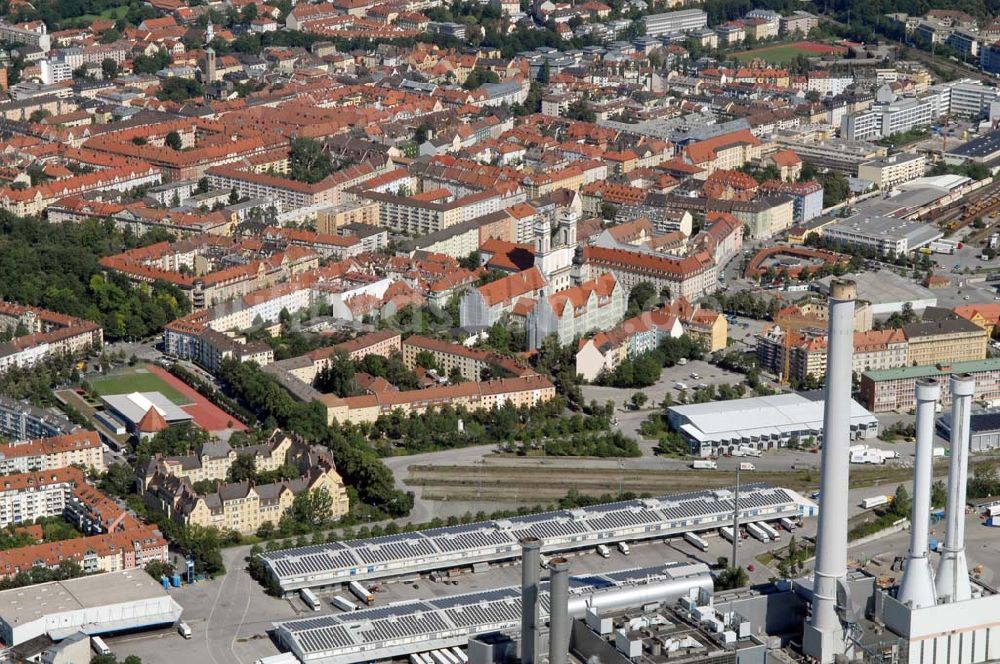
917, 586
952, 580
559, 622
824, 636
530, 564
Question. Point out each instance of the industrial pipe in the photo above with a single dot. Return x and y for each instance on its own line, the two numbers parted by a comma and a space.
824, 636
952, 581
559, 626
530, 565
917, 586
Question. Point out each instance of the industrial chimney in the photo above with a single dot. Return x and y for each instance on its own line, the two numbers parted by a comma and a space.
952, 580
824, 636
530, 564
559, 611
917, 586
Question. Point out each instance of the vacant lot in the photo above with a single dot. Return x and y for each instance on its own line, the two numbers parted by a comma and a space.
782, 53
521, 484
137, 380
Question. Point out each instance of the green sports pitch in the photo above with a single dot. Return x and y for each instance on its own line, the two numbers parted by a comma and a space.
137, 380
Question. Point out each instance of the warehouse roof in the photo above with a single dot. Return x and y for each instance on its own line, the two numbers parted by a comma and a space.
757, 416
437, 548
21, 605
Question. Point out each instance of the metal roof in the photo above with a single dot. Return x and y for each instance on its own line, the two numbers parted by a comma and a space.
439, 548
412, 625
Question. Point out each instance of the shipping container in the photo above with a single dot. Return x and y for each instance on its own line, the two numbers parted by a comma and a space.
310, 599
727, 533
361, 592
704, 464
874, 501
696, 541
344, 604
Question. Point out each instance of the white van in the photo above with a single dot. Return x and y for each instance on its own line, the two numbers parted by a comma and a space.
603, 551
184, 629
623, 547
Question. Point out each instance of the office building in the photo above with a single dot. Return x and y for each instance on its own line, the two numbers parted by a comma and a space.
675, 23
887, 172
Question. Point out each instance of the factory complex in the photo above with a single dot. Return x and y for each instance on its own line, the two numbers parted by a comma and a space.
493, 541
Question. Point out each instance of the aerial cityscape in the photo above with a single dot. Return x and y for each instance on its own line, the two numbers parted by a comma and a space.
499, 332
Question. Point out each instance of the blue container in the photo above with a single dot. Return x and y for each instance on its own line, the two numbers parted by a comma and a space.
176, 580
993, 522
165, 581
933, 544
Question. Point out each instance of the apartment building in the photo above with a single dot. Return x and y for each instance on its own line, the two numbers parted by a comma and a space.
17, 35
82, 448
519, 392
690, 277
607, 349
244, 506
727, 151
807, 197
887, 172
215, 459
944, 337
291, 194
473, 364
801, 354
49, 334
893, 389
35, 200
20, 420
25, 497
131, 548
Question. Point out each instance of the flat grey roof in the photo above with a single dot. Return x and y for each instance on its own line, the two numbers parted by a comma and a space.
883, 287
916, 233
23, 605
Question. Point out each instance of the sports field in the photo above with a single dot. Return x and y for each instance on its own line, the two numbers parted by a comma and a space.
139, 379
783, 53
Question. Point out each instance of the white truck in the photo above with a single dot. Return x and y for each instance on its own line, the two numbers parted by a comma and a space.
98, 645
603, 551
747, 450
696, 541
937, 452
623, 548
344, 604
184, 629
747, 466
704, 464
361, 592
283, 658
310, 599
874, 501
757, 532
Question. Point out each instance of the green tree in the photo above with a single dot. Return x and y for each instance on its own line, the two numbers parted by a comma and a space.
313, 507
308, 161
118, 480
158, 569
641, 298
243, 469
179, 89
639, 399
109, 69
173, 141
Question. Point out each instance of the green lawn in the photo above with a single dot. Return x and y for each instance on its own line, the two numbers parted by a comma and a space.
775, 54
138, 380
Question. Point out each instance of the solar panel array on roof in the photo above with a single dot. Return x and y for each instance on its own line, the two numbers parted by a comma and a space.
437, 548
326, 637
